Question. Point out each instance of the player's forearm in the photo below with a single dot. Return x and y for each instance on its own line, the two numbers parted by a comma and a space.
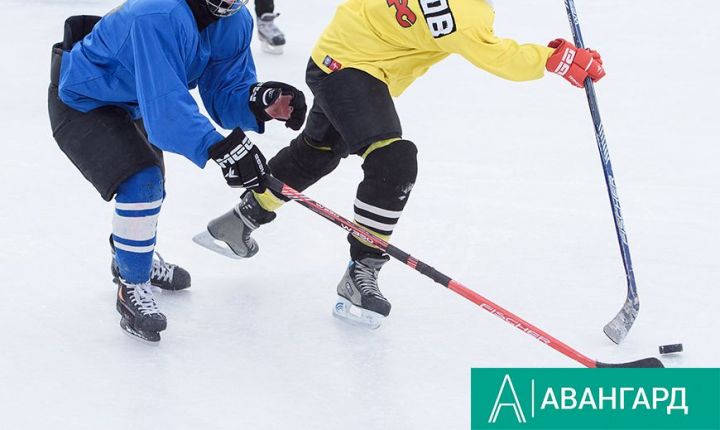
175, 124
510, 60
231, 110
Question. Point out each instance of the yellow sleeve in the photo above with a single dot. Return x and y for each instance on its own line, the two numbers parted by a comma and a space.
502, 57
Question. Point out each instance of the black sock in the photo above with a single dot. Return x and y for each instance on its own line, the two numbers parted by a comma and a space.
264, 6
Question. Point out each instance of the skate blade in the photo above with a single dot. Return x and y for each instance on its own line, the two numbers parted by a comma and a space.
206, 240
150, 338
346, 311
272, 49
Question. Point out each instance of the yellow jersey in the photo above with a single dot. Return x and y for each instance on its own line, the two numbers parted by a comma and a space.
397, 41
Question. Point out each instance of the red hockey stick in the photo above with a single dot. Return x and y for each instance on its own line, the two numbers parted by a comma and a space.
448, 282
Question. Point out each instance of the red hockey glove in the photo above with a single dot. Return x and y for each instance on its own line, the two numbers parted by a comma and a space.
574, 64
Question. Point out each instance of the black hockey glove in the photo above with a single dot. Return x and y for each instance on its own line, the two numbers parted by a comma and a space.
242, 163
276, 100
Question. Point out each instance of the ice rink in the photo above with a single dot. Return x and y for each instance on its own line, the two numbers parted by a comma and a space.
510, 201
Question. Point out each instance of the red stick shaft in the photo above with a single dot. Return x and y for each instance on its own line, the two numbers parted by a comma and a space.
521, 324
423, 268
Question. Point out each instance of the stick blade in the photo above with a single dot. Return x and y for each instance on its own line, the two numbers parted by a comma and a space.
650, 363
618, 328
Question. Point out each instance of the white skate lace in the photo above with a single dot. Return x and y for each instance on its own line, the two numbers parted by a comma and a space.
142, 297
366, 280
161, 270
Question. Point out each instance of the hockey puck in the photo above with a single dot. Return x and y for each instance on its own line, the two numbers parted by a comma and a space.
669, 349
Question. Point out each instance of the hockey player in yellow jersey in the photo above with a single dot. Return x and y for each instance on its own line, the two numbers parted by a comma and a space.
372, 51
396, 41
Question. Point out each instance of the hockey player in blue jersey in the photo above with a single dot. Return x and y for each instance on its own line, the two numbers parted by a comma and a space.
119, 97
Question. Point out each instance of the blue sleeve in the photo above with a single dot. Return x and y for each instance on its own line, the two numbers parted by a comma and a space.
171, 116
225, 83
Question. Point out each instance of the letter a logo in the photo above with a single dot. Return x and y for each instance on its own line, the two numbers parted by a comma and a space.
515, 405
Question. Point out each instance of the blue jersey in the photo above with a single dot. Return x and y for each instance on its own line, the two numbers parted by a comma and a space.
146, 55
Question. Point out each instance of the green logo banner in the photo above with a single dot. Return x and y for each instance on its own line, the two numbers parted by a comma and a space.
595, 399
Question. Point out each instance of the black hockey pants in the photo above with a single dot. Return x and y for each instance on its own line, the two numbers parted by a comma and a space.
353, 113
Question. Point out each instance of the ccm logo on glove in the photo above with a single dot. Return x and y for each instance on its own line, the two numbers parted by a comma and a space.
575, 64
242, 163
235, 154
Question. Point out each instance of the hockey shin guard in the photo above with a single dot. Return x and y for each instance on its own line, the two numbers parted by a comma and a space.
137, 207
390, 173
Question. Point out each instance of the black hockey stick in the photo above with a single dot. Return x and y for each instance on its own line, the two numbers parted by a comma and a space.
448, 282
619, 327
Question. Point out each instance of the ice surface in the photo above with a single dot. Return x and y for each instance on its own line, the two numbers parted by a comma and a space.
510, 201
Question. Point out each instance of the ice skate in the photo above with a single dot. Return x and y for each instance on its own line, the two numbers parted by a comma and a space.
139, 312
230, 234
164, 275
272, 39
359, 298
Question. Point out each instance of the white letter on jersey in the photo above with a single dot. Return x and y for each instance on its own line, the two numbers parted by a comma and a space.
438, 16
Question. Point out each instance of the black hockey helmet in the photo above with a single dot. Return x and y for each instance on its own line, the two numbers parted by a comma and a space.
224, 8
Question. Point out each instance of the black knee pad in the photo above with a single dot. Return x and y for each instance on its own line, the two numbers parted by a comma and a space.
390, 174
395, 164
301, 165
